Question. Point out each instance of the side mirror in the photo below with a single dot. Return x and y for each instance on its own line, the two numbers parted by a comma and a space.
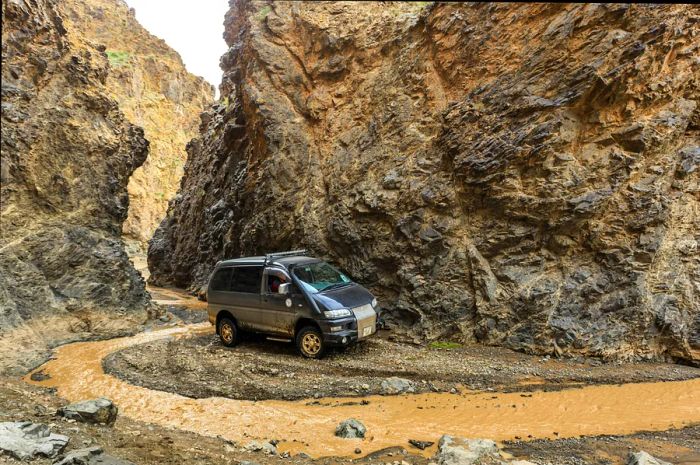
284, 288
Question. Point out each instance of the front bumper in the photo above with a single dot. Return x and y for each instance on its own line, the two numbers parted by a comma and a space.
347, 335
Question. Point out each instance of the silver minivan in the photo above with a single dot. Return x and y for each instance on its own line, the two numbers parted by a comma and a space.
290, 296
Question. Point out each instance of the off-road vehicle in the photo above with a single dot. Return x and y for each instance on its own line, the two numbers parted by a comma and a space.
290, 296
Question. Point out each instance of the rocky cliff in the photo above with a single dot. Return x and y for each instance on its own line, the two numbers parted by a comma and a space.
154, 90
523, 175
67, 155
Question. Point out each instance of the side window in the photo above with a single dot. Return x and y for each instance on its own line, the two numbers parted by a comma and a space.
274, 279
222, 279
247, 279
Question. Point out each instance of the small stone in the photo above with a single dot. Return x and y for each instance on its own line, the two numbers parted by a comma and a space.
644, 458
462, 451
100, 410
396, 385
422, 445
90, 456
350, 429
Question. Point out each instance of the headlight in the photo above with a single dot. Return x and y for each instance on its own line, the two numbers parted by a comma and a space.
374, 303
337, 313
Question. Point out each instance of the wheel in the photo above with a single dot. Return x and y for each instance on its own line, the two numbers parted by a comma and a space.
228, 333
310, 342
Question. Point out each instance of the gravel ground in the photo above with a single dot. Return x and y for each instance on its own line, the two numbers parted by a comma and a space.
258, 369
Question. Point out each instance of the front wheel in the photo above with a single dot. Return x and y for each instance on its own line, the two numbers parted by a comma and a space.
228, 333
310, 342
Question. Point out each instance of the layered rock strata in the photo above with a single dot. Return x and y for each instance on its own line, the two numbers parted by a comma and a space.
523, 175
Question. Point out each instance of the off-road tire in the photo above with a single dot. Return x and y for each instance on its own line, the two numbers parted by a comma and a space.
310, 343
228, 332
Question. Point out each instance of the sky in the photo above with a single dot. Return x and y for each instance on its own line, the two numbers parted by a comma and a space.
193, 28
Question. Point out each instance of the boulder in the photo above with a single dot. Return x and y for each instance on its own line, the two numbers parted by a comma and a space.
100, 410
643, 458
396, 385
90, 456
350, 429
462, 451
25, 440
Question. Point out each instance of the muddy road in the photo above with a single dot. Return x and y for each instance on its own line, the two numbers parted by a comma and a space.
179, 379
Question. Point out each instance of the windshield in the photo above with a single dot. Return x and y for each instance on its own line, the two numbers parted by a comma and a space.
320, 276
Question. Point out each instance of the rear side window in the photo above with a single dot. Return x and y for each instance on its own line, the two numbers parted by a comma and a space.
222, 280
247, 279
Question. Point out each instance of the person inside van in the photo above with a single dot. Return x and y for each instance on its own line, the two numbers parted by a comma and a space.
273, 283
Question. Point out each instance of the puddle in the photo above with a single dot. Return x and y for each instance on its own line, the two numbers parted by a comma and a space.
177, 297
76, 372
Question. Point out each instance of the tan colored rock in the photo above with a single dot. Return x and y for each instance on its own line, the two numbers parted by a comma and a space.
154, 90
67, 155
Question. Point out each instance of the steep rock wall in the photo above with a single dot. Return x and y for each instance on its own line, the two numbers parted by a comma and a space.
154, 90
67, 154
524, 175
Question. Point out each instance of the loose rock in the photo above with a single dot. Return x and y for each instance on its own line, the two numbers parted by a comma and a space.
396, 385
90, 456
25, 440
462, 451
351, 429
644, 458
100, 410
422, 445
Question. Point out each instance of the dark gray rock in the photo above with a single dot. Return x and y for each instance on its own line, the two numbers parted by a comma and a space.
470, 209
101, 411
90, 456
25, 440
350, 429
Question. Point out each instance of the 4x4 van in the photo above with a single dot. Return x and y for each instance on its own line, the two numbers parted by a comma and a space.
290, 296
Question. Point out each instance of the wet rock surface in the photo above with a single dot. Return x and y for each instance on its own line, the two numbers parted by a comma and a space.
520, 175
25, 440
258, 369
102, 411
351, 429
67, 155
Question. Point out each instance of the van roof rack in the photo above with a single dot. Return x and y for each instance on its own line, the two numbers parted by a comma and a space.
271, 256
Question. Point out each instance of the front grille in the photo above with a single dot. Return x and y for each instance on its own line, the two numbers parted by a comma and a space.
366, 318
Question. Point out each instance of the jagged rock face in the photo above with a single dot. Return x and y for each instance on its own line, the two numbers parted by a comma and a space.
524, 175
154, 90
67, 154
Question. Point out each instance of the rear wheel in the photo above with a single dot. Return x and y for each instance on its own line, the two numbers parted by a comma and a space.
228, 333
310, 342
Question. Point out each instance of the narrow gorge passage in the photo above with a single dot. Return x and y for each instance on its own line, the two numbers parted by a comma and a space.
76, 372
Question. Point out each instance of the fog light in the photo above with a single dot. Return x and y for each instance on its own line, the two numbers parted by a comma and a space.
336, 328
345, 340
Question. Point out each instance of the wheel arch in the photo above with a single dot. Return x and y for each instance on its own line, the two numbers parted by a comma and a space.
224, 314
304, 322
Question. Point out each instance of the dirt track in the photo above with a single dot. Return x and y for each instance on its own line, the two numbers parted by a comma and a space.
258, 369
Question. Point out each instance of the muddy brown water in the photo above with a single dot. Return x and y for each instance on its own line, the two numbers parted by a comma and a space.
76, 372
